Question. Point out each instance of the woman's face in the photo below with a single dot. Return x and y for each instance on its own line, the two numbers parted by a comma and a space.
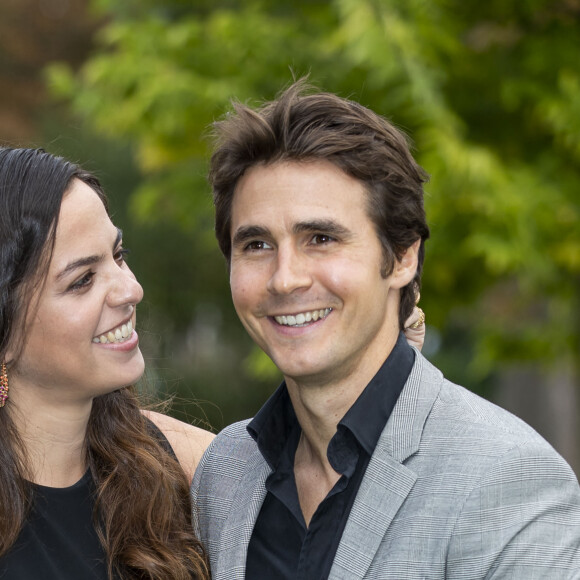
80, 341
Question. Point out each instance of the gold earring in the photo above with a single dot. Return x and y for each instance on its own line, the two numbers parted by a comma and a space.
420, 321
3, 385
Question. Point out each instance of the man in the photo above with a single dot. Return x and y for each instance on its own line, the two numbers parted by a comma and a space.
366, 462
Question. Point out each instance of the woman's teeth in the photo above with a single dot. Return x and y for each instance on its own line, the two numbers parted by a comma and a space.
119, 334
303, 318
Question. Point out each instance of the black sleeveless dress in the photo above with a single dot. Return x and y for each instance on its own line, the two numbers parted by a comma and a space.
58, 541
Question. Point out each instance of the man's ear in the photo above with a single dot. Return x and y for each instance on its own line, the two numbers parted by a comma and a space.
405, 268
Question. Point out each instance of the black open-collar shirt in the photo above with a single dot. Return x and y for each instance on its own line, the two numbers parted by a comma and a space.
281, 546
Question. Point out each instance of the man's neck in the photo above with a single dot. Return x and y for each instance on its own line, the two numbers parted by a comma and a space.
319, 408
321, 402
318, 411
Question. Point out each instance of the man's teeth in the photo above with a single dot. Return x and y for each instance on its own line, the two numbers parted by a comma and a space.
303, 318
119, 334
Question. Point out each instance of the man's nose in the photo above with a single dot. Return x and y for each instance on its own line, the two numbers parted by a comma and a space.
291, 272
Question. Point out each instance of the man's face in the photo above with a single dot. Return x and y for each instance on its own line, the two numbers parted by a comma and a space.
305, 273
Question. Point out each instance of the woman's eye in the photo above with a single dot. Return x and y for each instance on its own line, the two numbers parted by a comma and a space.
121, 255
83, 282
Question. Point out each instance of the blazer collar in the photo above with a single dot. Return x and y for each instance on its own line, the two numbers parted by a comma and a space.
248, 500
387, 482
384, 488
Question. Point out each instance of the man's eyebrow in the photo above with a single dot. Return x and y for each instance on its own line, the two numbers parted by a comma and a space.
87, 260
323, 226
246, 233
330, 227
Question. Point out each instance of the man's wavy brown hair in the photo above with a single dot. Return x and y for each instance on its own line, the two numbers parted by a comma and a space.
302, 126
143, 508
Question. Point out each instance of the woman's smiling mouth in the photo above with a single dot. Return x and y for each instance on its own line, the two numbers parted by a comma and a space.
116, 335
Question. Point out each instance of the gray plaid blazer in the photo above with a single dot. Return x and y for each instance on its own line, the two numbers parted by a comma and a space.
457, 488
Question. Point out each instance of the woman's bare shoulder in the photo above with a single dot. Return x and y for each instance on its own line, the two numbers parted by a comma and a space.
188, 442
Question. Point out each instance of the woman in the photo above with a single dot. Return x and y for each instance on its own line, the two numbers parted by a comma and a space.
90, 487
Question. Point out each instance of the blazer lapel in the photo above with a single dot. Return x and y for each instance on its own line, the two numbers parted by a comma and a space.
237, 530
384, 488
387, 482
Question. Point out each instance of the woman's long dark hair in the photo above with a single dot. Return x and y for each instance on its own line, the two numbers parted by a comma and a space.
154, 540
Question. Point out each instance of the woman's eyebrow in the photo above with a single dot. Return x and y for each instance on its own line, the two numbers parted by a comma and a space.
80, 263
87, 260
118, 239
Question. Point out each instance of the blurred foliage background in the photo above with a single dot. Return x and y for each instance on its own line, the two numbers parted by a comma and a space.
488, 91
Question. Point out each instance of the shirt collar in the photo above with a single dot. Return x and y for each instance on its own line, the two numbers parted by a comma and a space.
369, 414
272, 425
366, 419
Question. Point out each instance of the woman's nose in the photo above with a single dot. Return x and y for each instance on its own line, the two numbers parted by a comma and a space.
125, 289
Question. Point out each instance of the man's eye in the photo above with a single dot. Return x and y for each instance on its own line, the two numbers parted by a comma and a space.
318, 239
257, 245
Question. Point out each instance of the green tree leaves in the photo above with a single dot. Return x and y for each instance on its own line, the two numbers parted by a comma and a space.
489, 92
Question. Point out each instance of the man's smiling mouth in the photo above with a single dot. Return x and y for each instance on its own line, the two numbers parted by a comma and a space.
303, 318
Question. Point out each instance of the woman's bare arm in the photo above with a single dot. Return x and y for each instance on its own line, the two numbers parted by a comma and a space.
188, 442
